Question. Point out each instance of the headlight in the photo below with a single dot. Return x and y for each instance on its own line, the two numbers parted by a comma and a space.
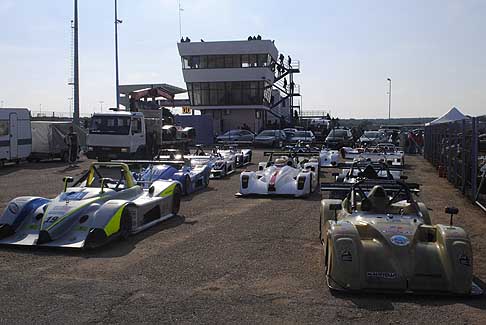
13, 208
124, 150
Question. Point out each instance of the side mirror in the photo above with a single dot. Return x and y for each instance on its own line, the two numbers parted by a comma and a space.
66, 180
452, 211
404, 177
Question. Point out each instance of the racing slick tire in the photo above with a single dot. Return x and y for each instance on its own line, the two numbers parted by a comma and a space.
176, 200
125, 224
187, 185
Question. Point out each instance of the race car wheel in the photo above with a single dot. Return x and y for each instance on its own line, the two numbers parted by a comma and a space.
187, 184
311, 188
125, 224
176, 200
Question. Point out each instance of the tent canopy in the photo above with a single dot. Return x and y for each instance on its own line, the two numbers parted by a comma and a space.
451, 116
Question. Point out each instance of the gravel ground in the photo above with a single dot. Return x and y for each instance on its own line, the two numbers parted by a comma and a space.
223, 260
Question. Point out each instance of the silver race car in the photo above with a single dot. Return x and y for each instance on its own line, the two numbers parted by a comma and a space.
287, 174
104, 204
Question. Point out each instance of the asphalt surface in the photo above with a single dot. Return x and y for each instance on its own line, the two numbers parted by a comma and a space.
223, 260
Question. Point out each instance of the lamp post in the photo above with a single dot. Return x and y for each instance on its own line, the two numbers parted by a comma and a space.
389, 97
76, 66
117, 21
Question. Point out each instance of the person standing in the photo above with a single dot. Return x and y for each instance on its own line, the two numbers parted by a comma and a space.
73, 144
290, 61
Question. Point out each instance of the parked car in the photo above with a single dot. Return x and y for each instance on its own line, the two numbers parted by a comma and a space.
303, 137
370, 138
339, 138
236, 136
289, 132
273, 138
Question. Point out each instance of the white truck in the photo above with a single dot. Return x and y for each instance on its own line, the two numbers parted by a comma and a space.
15, 135
132, 135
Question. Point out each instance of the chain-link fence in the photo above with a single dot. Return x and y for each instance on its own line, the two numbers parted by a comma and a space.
456, 149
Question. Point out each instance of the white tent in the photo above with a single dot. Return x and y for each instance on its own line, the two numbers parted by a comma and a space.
453, 115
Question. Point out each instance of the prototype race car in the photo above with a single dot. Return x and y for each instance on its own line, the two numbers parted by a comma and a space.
328, 157
284, 175
192, 175
385, 152
221, 165
242, 157
351, 172
104, 204
380, 239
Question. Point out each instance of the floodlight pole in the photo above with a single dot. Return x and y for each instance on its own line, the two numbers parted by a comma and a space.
117, 79
76, 67
389, 97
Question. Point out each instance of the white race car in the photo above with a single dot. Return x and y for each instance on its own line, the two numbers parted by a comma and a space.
383, 152
242, 157
104, 204
284, 175
328, 157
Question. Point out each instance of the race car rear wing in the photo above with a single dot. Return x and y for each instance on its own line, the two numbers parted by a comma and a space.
388, 185
291, 153
348, 165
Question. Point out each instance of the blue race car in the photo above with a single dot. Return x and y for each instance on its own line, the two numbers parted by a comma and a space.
193, 175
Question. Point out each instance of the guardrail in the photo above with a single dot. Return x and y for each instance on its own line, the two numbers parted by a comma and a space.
454, 149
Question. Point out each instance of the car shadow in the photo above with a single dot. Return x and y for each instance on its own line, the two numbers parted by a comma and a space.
190, 196
386, 301
43, 165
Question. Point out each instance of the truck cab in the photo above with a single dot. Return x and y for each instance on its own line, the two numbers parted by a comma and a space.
117, 135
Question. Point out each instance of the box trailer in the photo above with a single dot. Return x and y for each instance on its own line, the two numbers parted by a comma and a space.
15, 135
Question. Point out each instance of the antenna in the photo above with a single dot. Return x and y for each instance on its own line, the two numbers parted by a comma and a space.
180, 19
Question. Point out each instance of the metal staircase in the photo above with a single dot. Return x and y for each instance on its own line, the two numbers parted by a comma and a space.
284, 83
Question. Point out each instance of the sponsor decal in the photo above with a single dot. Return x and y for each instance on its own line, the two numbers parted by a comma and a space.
399, 240
381, 275
397, 229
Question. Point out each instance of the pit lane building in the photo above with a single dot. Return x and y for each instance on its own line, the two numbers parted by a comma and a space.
239, 82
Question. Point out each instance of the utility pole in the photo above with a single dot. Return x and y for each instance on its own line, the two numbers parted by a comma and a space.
76, 67
389, 97
117, 21
101, 105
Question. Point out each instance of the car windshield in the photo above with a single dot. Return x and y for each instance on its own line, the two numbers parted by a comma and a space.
233, 132
267, 133
338, 133
110, 125
371, 134
303, 134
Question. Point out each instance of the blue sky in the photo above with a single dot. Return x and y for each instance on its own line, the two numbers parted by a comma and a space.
433, 50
